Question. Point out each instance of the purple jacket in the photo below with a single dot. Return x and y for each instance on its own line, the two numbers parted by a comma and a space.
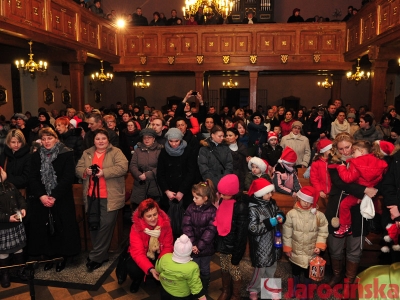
197, 225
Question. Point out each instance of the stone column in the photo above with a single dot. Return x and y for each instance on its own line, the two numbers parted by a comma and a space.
253, 90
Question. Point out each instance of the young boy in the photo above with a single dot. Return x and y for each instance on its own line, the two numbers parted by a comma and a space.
264, 215
278, 130
271, 151
285, 175
258, 168
304, 234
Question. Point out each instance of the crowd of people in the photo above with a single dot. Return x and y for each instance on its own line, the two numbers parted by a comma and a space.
203, 181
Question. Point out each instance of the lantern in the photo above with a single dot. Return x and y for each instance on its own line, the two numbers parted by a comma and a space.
278, 239
317, 268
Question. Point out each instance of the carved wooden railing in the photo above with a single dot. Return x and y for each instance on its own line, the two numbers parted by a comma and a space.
376, 24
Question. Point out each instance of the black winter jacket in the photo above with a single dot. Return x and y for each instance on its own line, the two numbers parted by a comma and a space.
270, 154
240, 167
263, 253
235, 241
73, 139
10, 201
198, 225
18, 166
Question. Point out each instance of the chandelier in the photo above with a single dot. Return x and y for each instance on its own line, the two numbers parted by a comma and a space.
325, 84
230, 84
358, 75
31, 66
101, 76
221, 7
142, 84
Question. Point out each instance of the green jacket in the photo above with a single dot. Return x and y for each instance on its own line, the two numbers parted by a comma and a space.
179, 280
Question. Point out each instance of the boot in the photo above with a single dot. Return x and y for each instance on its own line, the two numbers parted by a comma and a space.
205, 281
236, 289
226, 286
344, 230
4, 274
20, 260
135, 285
337, 272
351, 271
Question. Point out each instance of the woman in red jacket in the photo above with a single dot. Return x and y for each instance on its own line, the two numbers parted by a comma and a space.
148, 221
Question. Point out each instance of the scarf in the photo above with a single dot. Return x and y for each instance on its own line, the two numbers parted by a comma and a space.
319, 120
341, 127
49, 177
175, 151
288, 120
223, 217
234, 147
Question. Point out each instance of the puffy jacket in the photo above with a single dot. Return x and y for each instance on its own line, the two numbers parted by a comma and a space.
270, 154
285, 182
263, 253
73, 139
115, 167
319, 176
145, 159
139, 240
301, 145
18, 166
370, 134
198, 225
367, 170
235, 241
209, 166
302, 233
240, 167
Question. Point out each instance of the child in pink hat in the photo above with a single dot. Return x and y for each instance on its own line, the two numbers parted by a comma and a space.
232, 219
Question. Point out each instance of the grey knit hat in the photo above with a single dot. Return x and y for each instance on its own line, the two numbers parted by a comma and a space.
148, 132
351, 115
174, 134
21, 116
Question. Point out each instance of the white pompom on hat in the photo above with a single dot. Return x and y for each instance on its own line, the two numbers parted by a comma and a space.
324, 145
182, 250
260, 163
386, 147
310, 195
260, 187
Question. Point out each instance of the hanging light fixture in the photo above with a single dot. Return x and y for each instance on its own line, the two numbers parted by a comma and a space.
210, 7
230, 84
31, 66
325, 84
101, 76
358, 75
142, 84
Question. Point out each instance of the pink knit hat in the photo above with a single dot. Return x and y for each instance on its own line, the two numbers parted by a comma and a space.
229, 185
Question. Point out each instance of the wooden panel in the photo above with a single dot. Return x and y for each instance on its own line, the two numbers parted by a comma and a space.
18, 9
308, 42
149, 44
265, 43
85, 30
37, 13
189, 44
111, 42
284, 42
226, 44
369, 28
132, 45
93, 33
210, 44
242, 44
394, 7
384, 17
353, 37
328, 43
56, 19
172, 45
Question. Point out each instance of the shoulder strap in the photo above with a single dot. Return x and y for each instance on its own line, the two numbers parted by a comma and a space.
5, 165
223, 167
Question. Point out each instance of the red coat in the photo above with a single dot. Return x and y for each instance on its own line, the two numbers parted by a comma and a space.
139, 241
286, 127
319, 176
366, 170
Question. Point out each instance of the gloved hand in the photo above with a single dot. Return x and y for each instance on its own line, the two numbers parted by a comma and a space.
279, 217
273, 221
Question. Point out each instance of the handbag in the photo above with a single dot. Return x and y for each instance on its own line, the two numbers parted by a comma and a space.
51, 226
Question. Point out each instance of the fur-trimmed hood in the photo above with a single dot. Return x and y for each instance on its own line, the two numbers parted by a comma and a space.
139, 224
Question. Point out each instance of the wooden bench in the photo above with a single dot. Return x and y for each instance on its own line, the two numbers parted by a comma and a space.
81, 218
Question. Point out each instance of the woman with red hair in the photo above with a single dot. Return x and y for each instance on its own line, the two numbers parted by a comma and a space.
148, 221
70, 136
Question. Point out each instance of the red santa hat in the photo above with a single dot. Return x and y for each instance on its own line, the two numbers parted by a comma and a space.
272, 135
260, 187
288, 156
262, 164
393, 235
310, 195
386, 147
324, 145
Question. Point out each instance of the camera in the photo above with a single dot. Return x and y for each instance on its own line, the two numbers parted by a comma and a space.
194, 93
95, 169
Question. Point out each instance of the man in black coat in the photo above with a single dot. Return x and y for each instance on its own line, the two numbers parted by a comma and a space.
138, 19
95, 121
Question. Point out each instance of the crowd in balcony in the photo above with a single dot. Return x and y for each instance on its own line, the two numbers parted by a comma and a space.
180, 157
